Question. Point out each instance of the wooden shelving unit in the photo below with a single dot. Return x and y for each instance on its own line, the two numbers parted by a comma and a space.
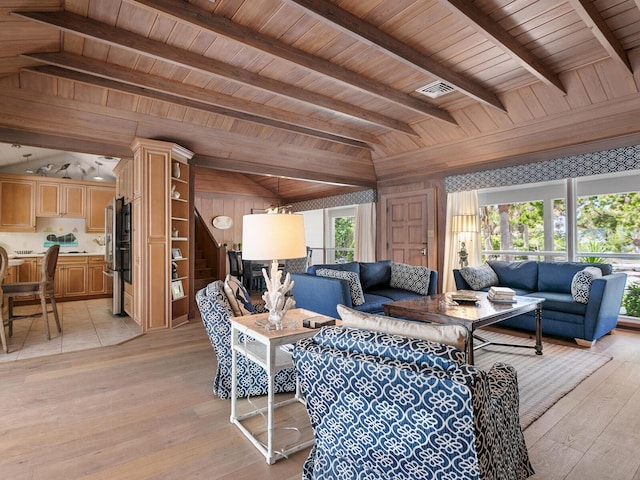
180, 211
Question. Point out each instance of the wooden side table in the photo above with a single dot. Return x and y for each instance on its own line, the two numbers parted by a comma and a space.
263, 347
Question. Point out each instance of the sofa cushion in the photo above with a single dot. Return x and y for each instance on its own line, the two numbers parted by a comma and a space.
479, 277
581, 283
454, 335
373, 303
375, 275
410, 277
557, 276
348, 267
357, 296
393, 294
560, 302
238, 297
517, 275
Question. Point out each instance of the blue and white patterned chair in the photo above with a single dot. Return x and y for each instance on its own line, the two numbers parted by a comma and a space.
386, 406
216, 313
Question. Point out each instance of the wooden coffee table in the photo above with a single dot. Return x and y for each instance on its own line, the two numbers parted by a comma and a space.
440, 309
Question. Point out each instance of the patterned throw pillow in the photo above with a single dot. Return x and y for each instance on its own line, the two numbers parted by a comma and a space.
357, 296
410, 277
581, 283
454, 335
479, 277
238, 297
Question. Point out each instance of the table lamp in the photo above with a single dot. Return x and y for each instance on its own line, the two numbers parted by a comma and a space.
274, 236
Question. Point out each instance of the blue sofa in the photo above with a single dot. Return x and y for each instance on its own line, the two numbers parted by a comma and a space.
324, 294
561, 314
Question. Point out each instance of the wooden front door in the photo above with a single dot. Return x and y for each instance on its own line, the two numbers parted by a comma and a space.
410, 228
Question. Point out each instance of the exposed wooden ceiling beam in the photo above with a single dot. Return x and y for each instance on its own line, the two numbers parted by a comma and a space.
89, 28
69, 144
590, 15
505, 41
94, 72
193, 15
356, 27
243, 166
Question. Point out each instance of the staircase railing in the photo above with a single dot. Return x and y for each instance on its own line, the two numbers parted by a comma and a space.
215, 254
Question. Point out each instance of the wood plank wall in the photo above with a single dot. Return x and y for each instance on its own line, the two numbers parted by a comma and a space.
227, 193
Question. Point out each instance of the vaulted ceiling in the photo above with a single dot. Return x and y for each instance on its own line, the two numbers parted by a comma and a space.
324, 90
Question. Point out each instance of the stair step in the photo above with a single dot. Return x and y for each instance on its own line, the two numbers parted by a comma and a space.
200, 283
203, 272
201, 263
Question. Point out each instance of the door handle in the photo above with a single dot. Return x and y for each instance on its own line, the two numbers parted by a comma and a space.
424, 252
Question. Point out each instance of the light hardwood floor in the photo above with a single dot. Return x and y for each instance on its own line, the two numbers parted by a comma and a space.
144, 410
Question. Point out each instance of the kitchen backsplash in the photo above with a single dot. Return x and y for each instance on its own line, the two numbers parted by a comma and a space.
70, 232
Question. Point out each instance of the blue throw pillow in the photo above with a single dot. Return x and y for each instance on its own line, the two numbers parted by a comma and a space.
375, 275
517, 275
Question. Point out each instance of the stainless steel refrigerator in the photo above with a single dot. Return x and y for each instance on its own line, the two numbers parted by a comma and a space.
117, 246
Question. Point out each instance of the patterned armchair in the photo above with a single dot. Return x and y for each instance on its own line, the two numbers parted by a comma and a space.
386, 406
216, 313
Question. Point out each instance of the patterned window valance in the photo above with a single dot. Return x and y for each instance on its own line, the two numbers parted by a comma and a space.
355, 198
608, 161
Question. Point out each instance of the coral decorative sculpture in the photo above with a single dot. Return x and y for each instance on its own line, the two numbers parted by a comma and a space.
275, 299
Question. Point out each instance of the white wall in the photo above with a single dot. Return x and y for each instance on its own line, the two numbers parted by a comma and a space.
314, 233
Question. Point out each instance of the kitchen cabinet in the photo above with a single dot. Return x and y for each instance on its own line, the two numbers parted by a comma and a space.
98, 197
77, 276
56, 199
99, 283
17, 205
124, 180
71, 277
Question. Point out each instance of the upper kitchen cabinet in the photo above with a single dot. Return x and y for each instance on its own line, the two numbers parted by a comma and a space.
124, 180
17, 205
98, 197
56, 199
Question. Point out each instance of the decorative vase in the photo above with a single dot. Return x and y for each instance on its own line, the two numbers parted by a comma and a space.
175, 170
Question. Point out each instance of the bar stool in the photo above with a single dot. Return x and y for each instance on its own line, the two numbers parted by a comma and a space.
43, 289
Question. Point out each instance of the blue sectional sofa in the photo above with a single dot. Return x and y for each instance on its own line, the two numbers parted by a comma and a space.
323, 294
562, 315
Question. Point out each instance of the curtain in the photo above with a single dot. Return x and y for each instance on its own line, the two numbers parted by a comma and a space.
365, 233
460, 203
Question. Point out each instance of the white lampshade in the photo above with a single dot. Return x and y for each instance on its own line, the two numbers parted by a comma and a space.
272, 236
464, 223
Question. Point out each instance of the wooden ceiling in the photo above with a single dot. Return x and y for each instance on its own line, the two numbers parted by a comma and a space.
321, 90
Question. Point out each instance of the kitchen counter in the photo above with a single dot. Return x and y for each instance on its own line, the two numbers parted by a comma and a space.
61, 254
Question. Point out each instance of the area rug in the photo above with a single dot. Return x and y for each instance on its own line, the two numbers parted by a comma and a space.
542, 379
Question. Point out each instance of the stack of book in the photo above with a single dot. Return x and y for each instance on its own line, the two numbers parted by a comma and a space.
501, 295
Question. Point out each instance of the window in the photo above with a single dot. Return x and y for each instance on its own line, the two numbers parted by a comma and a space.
588, 219
340, 234
524, 222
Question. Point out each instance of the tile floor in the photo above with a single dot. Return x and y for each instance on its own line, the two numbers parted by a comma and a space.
85, 324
